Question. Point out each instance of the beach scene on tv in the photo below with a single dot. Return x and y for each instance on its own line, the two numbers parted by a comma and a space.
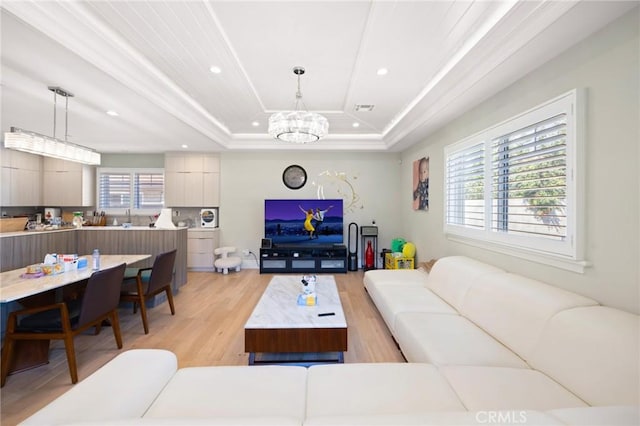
303, 221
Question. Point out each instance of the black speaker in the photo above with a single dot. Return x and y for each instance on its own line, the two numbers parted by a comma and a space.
266, 243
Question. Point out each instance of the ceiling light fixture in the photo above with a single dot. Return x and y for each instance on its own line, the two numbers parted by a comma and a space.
112, 113
382, 71
215, 69
299, 126
35, 143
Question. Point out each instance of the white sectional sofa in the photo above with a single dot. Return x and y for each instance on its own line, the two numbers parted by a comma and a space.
484, 347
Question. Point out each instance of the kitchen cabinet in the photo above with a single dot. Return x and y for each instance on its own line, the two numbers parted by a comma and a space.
200, 247
192, 180
66, 183
21, 178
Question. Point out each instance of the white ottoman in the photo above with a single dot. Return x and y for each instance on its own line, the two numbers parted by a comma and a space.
226, 262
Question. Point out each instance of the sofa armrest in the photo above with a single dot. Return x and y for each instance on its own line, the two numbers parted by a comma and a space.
123, 388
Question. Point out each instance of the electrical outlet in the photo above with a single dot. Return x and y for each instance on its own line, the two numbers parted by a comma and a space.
246, 252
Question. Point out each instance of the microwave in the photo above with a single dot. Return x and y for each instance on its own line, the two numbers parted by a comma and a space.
209, 218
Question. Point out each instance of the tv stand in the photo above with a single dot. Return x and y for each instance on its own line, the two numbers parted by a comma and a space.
304, 259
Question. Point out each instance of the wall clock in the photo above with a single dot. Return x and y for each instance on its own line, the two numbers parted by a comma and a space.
294, 177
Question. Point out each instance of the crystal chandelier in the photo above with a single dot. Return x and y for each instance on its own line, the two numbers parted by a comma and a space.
299, 126
35, 143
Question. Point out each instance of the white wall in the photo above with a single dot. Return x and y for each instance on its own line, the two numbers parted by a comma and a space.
606, 65
248, 178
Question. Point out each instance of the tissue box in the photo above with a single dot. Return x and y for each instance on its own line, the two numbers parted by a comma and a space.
70, 266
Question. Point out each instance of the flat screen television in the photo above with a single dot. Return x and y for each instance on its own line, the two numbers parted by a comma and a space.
303, 222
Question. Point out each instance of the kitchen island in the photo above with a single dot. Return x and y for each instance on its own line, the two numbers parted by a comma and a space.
20, 249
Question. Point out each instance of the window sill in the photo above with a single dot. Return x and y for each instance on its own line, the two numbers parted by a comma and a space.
565, 263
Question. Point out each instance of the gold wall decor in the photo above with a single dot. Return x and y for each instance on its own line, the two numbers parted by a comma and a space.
339, 185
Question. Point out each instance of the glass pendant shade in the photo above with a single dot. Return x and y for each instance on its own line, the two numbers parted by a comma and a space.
34, 143
298, 126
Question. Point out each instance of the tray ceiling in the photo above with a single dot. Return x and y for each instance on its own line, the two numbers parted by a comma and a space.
150, 62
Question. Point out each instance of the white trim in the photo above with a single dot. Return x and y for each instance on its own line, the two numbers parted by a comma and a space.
556, 261
566, 254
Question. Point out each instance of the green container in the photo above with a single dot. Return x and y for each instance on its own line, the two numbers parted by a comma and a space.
397, 244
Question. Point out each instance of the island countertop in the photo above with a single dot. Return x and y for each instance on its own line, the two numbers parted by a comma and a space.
89, 228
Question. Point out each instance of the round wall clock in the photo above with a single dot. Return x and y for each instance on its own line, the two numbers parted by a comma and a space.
294, 177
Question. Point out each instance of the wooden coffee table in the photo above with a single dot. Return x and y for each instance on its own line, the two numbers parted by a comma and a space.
281, 331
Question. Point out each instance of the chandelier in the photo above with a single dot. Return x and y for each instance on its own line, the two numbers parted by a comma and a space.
35, 143
299, 126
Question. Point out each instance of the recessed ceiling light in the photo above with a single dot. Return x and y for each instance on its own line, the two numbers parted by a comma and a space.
112, 113
216, 70
255, 124
382, 71
185, 146
356, 124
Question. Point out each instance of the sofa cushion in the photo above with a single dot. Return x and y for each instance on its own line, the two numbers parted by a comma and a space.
143, 373
450, 340
501, 388
204, 421
515, 309
415, 277
593, 351
377, 389
233, 391
451, 277
598, 416
392, 299
440, 418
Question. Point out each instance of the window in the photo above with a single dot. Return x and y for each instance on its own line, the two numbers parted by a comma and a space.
515, 186
130, 189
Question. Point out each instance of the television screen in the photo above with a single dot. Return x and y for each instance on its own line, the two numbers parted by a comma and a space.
303, 222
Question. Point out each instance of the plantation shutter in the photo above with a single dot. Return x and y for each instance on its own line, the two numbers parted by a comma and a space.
465, 187
149, 191
114, 190
529, 183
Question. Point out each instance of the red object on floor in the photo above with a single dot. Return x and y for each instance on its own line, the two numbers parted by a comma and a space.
368, 256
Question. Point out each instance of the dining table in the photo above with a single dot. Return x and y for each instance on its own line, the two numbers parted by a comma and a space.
31, 290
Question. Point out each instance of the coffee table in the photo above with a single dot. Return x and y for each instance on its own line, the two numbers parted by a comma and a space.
281, 331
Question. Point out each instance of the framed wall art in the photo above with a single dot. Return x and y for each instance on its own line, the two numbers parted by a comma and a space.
420, 186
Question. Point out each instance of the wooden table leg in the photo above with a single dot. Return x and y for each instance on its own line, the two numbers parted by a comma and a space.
28, 354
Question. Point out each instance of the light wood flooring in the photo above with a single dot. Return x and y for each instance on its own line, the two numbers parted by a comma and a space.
208, 329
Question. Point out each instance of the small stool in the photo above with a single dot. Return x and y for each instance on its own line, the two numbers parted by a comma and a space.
226, 262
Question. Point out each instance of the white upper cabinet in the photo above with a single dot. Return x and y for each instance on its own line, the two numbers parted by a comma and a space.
66, 183
191, 180
21, 178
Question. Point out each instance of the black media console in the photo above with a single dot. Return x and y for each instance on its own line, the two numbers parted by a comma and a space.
317, 259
